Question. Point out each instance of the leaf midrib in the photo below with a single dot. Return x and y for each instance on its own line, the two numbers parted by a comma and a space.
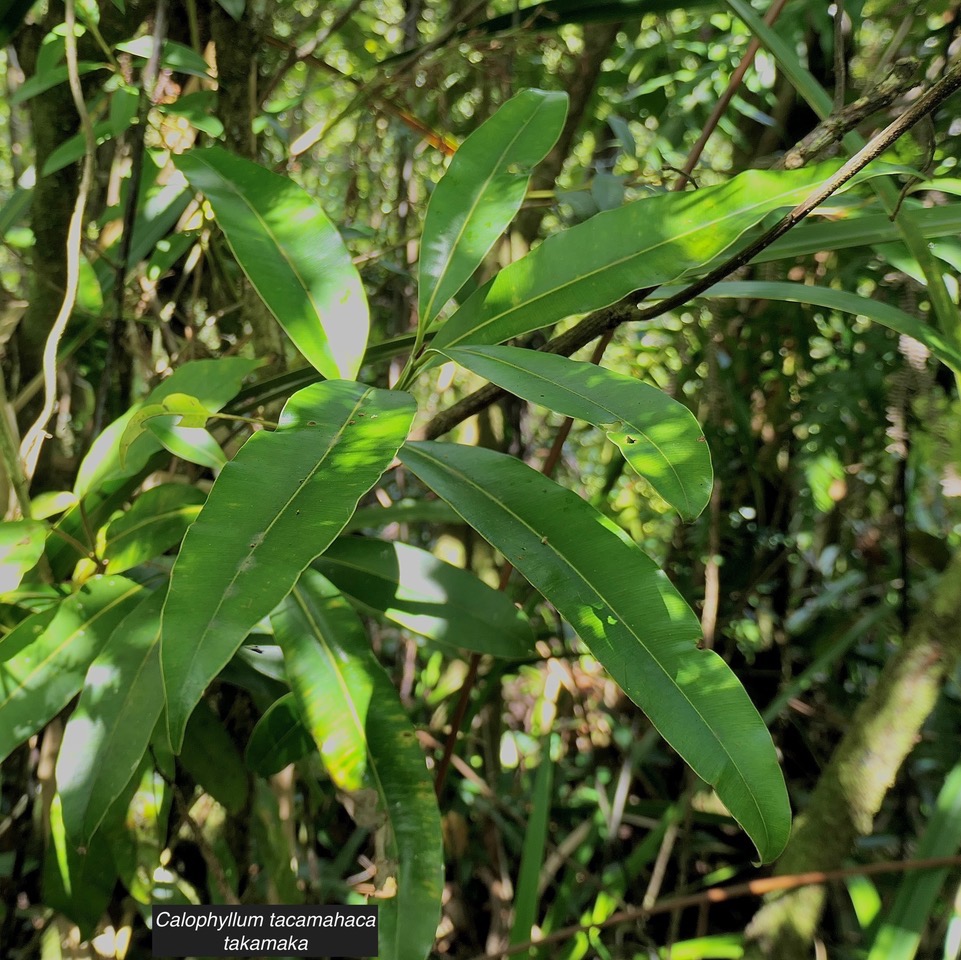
777, 201
464, 478
588, 398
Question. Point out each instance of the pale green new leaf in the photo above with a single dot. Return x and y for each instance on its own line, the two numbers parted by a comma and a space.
43, 661
658, 436
292, 254
629, 614
413, 589
350, 705
21, 546
641, 244
108, 732
188, 412
481, 192
211, 382
278, 504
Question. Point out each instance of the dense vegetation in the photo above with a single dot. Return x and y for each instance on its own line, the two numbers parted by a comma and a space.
492, 462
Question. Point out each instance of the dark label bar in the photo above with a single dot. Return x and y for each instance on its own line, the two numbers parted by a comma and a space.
264, 931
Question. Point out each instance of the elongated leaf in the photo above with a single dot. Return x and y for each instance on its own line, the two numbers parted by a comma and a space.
331, 689
157, 521
328, 657
482, 191
174, 56
884, 313
107, 735
278, 739
631, 617
292, 254
42, 666
275, 507
642, 244
21, 546
658, 436
414, 589
900, 932
77, 883
212, 759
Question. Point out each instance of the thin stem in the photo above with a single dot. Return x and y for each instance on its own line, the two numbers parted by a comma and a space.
33, 441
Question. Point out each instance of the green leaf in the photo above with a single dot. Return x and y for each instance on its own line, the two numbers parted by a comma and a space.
903, 924
234, 7
629, 614
481, 192
21, 547
529, 872
77, 882
658, 436
49, 79
157, 521
884, 313
107, 734
212, 759
42, 666
279, 738
212, 382
330, 663
331, 689
291, 253
188, 411
275, 507
413, 589
641, 244
173, 56
198, 110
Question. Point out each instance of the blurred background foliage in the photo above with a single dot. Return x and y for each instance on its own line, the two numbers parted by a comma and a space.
836, 444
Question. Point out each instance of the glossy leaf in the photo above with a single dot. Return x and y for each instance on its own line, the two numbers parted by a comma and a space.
331, 689
173, 56
21, 546
877, 310
278, 504
642, 244
157, 521
658, 436
279, 738
292, 254
329, 658
43, 663
413, 589
629, 614
107, 734
481, 192
188, 412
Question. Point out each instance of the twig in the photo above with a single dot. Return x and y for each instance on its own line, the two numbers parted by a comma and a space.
752, 888
722, 104
35, 436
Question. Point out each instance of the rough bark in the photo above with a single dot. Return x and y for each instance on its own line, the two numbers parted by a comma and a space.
852, 787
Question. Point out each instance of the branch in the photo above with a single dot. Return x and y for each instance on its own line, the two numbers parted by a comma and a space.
609, 318
752, 888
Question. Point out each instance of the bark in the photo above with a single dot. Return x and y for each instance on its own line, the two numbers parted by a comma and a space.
852, 787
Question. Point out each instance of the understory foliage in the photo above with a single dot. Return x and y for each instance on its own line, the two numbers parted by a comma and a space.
414, 497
